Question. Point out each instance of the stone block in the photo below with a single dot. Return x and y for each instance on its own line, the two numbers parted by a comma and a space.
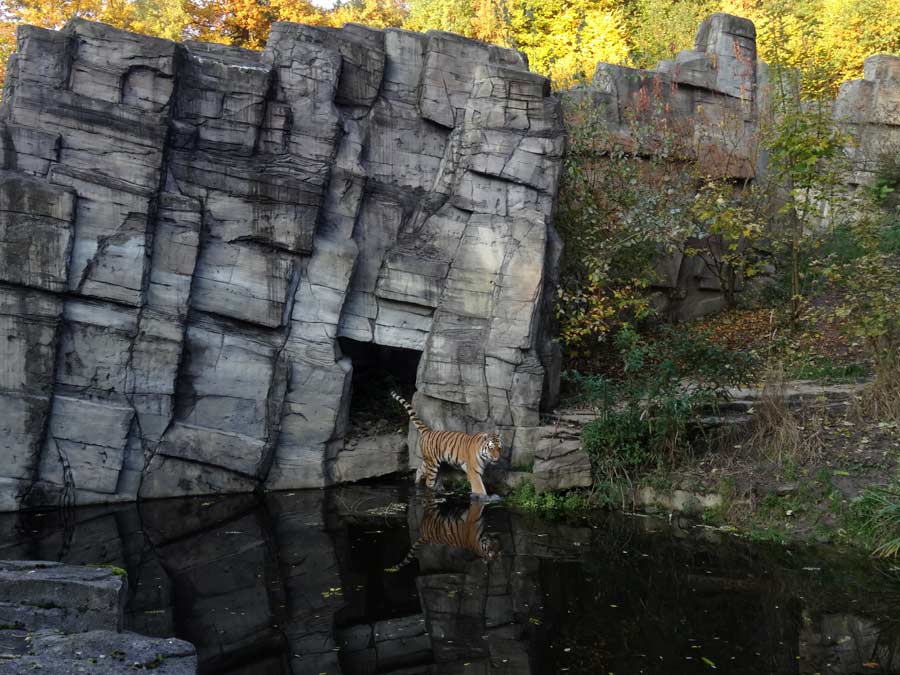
370, 456
38, 595
242, 282
85, 444
57, 653
561, 465
35, 232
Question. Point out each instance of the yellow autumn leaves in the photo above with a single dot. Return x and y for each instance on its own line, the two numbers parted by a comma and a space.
561, 38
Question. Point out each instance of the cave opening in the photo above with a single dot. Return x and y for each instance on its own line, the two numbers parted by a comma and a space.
377, 370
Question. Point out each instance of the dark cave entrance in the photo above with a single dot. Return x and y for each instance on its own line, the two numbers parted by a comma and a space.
377, 370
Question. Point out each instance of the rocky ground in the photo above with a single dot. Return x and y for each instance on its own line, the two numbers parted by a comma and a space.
803, 496
789, 479
58, 618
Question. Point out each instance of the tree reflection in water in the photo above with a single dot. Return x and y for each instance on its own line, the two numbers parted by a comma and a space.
296, 583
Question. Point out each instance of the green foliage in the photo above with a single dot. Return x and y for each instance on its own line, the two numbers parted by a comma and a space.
525, 497
728, 223
876, 516
822, 369
566, 38
118, 571
807, 168
866, 273
661, 28
650, 418
618, 212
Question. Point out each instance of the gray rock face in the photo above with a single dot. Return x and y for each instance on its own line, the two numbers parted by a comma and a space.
99, 652
59, 618
708, 96
559, 461
869, 111
186, 230
38, 595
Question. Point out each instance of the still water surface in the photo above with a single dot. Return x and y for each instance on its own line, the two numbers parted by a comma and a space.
316, 582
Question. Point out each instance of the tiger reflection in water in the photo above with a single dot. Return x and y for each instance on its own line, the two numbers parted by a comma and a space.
455, 526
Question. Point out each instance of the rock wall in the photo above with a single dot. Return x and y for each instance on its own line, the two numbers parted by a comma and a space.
187, 229
869, 111
710, 100
59, 618
707, 96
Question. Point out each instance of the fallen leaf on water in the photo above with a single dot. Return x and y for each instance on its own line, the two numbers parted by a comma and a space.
708, 662
871, 664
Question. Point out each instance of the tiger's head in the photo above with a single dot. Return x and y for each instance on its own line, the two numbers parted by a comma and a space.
490, 548
491, 447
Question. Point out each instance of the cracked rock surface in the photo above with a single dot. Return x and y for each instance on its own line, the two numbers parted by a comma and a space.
58, 618
186, 230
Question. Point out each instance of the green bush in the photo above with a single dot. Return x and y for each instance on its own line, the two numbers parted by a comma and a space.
525, 497
876, 515
651, 417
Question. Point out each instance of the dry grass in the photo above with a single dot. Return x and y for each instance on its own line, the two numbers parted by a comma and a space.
881, 401
782, 432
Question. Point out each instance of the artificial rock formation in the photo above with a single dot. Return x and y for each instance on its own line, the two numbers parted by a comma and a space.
187, 229
869, 111
710, 99
57, 618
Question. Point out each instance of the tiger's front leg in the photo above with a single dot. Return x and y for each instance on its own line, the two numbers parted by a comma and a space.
475, 482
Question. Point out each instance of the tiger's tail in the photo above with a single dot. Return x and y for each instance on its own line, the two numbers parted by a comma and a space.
420, 425
410, 556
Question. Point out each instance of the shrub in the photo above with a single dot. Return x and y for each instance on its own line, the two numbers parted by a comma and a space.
877, 514
525, 497
652, 417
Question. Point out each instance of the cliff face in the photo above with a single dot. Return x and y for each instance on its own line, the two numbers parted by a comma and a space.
187, 229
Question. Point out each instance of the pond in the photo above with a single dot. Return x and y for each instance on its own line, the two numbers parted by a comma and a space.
333, 582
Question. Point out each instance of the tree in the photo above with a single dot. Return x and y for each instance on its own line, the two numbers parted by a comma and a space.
162, 18
7, 45
658, 29
565, 39
451, 15
375, 13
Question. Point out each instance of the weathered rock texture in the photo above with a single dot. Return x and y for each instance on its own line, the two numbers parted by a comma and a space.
59, 618
710, 99
37, 594
187, 229
869, 110
709, 95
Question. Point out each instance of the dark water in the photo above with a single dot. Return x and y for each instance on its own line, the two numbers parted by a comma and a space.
298, 583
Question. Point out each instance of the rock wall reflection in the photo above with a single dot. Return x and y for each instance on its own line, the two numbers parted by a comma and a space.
296, 583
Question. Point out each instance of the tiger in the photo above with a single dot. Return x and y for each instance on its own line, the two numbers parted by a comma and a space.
453, 527
470, 452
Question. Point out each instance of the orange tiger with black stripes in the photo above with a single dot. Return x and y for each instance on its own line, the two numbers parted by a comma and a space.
470, 452
455, 526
